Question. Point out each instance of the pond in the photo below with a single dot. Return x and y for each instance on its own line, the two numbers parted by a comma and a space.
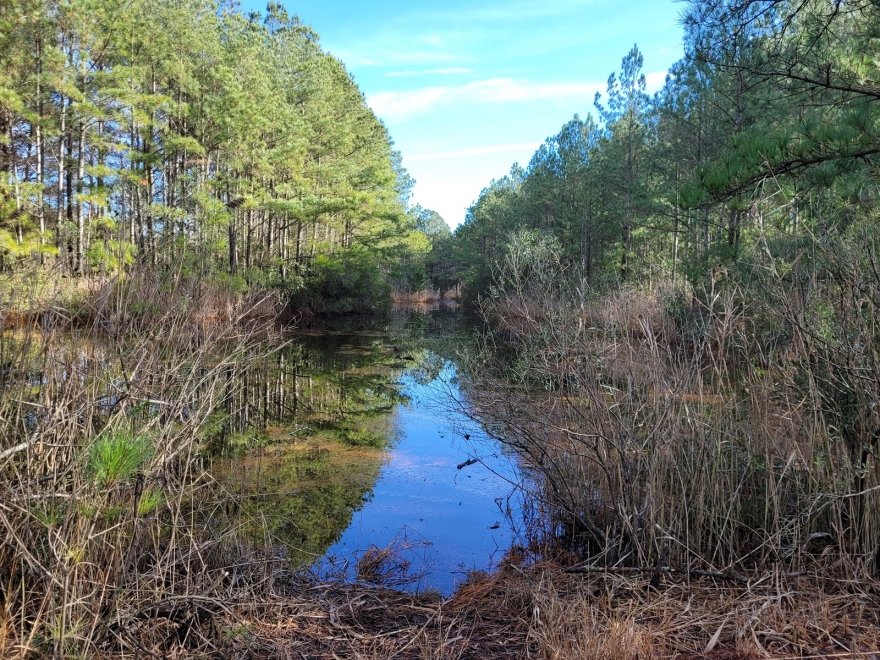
352, 450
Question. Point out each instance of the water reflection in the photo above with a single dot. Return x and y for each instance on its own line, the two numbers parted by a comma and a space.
442, 512
347, 440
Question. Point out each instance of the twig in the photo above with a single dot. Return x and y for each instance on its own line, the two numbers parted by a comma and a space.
21, 446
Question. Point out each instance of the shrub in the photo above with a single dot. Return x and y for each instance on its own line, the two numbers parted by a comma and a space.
348, 282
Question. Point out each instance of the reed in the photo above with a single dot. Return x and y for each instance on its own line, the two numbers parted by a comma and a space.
105, 505
732, 429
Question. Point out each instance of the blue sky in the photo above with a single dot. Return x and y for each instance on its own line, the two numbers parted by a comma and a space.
468, 88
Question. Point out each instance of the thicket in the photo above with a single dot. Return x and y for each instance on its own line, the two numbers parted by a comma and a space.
106, 507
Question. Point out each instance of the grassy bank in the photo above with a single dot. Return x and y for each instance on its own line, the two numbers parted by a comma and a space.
539, 611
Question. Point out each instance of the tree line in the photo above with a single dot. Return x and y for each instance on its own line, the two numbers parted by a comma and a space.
187, 134
766, 134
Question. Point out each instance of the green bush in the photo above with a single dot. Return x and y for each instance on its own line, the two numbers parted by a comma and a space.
343, 283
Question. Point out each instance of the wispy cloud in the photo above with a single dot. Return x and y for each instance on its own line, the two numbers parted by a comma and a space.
434, 34
438, 71
408, 45
405, 104
474, 151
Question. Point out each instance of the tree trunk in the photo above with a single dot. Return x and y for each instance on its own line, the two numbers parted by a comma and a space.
59, 202
80, 204
233, 246
38, 140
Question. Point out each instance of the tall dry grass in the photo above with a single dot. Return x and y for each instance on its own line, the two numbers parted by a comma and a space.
107, 541
729, 431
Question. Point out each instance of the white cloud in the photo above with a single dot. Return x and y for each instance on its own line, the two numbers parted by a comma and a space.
400, 105
474, 151
655, 80
432, 40
507, 90
439, 71
404, 104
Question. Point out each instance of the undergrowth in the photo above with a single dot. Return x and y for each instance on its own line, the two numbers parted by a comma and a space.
103, 496
731, 428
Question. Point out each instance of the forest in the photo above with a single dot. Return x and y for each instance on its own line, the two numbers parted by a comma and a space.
763, 140
189, 137
674, 327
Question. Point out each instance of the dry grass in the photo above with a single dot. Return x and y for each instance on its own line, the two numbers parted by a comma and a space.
139, 300
103, 498
706, 487
720, 442
425, 296
543, 612
659, 444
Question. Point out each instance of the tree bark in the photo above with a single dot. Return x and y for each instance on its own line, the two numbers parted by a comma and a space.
80, 204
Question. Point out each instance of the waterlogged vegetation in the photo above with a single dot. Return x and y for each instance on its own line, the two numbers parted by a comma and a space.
303, 438
675, 340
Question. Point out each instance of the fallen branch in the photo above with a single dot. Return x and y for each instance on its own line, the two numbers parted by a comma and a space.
21, 446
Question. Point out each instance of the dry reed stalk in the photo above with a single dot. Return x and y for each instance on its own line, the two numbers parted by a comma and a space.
539, 611
661, 448
102, 491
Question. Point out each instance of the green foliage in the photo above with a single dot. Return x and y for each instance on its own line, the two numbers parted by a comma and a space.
216, 141
150, 500
530, 262
117, 456
109, 255
763, 139
232, 283
347, 282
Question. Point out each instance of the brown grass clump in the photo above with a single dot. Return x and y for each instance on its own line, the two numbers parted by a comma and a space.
381, 565
577, 627
426, 296
135, 301
719, 430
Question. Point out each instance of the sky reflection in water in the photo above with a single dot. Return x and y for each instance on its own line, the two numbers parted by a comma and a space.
444, 520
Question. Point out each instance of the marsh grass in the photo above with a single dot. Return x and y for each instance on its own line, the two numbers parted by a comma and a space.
707, 458
732, 429
105, 505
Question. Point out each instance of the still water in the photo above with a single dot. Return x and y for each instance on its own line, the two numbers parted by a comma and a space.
368, 450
